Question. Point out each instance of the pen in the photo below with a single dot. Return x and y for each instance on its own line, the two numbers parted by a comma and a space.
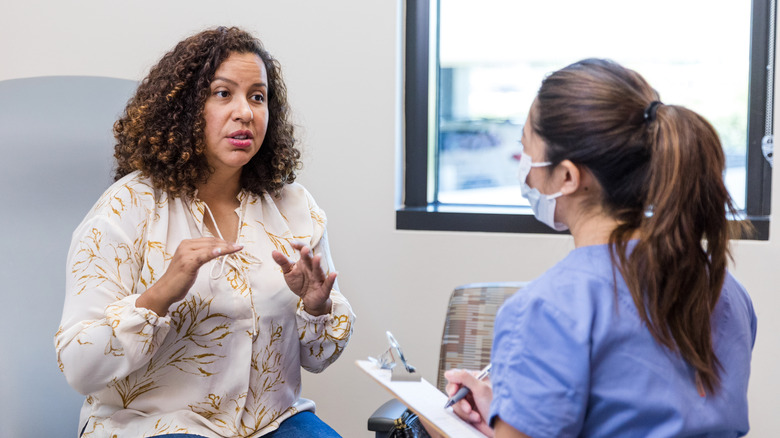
463, 391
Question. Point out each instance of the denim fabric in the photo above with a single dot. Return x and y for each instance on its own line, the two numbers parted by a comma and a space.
303, 424
179, 435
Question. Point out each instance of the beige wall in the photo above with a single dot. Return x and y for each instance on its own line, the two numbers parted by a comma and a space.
342, 63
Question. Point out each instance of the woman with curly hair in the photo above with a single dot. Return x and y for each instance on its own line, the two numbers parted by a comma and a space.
201, 281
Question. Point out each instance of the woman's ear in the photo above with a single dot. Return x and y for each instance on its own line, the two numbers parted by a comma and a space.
571, 175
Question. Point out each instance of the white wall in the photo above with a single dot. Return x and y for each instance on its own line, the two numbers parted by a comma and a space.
342, 64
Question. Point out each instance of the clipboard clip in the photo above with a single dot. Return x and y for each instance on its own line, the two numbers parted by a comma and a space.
388, 360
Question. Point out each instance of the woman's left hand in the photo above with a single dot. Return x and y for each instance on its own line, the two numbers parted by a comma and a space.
307, 279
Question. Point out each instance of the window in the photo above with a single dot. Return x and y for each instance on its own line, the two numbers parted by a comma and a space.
473, 68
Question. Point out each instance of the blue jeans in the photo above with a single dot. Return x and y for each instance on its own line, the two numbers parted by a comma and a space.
302, 424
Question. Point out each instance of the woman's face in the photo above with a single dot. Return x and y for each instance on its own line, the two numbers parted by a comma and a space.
236, 112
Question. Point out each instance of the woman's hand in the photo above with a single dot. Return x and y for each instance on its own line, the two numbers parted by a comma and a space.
475, 407
182, 272
307, 279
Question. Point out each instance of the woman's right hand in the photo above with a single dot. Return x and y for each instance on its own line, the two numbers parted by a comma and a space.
475, 407
182, 272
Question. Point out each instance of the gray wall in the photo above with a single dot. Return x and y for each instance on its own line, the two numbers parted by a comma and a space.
56, 148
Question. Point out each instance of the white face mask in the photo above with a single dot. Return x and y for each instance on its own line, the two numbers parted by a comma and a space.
542, 205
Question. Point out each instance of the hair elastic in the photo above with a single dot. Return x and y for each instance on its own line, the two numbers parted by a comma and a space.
651, 110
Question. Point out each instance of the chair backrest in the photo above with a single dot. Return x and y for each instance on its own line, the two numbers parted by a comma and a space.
468, 328
57, 149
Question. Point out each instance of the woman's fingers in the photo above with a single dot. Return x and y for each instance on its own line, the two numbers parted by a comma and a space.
205, 249
189, 257
309, 263
306, 258
455, 378
330, 280
224, 248
285, 263
219, 247
465, 411
317, 273
473, 405
307, 278
192, 254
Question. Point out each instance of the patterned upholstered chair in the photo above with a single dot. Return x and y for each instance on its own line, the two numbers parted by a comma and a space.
465, 343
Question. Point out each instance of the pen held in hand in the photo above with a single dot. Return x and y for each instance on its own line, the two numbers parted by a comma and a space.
463, 391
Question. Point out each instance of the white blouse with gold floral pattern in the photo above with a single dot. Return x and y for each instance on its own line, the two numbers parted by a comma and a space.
226, 360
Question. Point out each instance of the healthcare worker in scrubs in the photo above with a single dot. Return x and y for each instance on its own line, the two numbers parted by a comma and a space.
640, 330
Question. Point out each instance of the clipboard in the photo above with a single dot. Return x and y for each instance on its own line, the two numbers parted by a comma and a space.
423, 399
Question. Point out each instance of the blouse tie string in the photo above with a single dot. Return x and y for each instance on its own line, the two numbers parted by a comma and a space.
233, 260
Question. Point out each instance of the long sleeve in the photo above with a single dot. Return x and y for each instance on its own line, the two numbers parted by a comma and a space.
322, 338
103, 337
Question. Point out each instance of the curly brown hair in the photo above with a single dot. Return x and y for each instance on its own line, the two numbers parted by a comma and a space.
161, 132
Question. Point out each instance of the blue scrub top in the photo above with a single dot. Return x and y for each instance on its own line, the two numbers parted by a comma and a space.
572, 359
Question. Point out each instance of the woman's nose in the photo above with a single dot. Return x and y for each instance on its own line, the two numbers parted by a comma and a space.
243, 112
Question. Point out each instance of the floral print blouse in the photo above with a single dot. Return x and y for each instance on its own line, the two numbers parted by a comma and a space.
226, 360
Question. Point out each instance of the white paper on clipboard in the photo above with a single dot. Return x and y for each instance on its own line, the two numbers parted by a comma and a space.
425, 400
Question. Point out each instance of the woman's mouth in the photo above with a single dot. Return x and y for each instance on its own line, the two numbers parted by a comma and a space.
241, 139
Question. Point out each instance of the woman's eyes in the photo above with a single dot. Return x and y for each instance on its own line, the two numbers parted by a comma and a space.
259, 97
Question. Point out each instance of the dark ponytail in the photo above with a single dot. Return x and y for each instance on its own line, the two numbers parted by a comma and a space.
661, 176
680, 274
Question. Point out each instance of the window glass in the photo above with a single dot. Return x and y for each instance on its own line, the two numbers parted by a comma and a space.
493, 55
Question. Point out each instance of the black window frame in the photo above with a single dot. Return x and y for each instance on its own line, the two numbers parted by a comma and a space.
417, 213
